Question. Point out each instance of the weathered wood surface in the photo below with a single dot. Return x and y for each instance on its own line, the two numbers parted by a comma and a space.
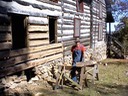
83, 74
5, 45
37, 28
37, 20
38, 42
5, 28
18, 60
14, 53
38, 35
27, 65
30, 56
5, 37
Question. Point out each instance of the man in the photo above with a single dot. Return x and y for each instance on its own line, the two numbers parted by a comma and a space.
77, 56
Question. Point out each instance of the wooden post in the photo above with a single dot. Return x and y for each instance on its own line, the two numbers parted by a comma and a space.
109, 40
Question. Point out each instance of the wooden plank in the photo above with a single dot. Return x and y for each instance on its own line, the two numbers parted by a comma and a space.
73, 82
5, 37
38, 35
12, 53
38, 42
37, 28
6, 45
24, 58
28, 65
5, 28
38, 20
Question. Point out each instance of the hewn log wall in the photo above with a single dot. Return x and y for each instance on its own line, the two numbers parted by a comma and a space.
5, 32
66, 25
97, 20
39, 50
18, 60
38, 33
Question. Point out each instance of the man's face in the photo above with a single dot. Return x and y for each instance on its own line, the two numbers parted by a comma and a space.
77, 44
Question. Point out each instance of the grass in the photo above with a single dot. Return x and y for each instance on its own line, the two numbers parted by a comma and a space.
113, 82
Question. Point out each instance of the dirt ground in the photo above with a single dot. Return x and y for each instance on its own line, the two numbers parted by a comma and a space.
113, 75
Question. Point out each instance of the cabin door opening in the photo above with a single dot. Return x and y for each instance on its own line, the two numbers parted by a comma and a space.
19, 33
52, 29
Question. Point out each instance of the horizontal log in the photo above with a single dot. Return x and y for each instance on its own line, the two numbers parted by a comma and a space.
67, 43
5, 28
4, 19
37, 28
59, 35
6, 45
13, 53
38, 42
50, 2
28, 65
5, 37
37, 20
70, 2
38, 35
67, 53
28, 57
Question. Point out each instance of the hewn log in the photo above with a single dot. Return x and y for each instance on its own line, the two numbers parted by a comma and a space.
29, 64
5, 37
6, 45
4, 19
38, 35
30, 56
38, 20
13, 53
37, 28
5, 28
38, 42
70, 2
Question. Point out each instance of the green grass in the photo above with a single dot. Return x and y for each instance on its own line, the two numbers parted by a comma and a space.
113, 81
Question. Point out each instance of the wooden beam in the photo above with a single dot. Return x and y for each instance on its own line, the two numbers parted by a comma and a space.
38, 20
30, 56
5, 28
29, 64
37, 28
6, 45
38, 35
5, 37
14, 53
38, 42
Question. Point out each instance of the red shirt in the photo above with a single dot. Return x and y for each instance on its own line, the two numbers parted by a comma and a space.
80, 47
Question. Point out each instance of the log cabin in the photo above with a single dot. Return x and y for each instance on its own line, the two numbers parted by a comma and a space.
35, 32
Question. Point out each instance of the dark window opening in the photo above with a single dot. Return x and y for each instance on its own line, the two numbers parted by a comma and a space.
19, 34
87, 1
52, 29
56, 1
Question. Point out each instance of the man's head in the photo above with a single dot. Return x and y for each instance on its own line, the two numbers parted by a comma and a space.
77, 42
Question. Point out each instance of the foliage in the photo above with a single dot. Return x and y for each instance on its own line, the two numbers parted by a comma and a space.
122, 32
119, 9
120, 13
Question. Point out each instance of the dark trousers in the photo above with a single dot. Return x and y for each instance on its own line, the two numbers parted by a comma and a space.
74, 76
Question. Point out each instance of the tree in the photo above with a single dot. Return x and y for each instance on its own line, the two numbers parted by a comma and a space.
119, 9
120, 14
121, 32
